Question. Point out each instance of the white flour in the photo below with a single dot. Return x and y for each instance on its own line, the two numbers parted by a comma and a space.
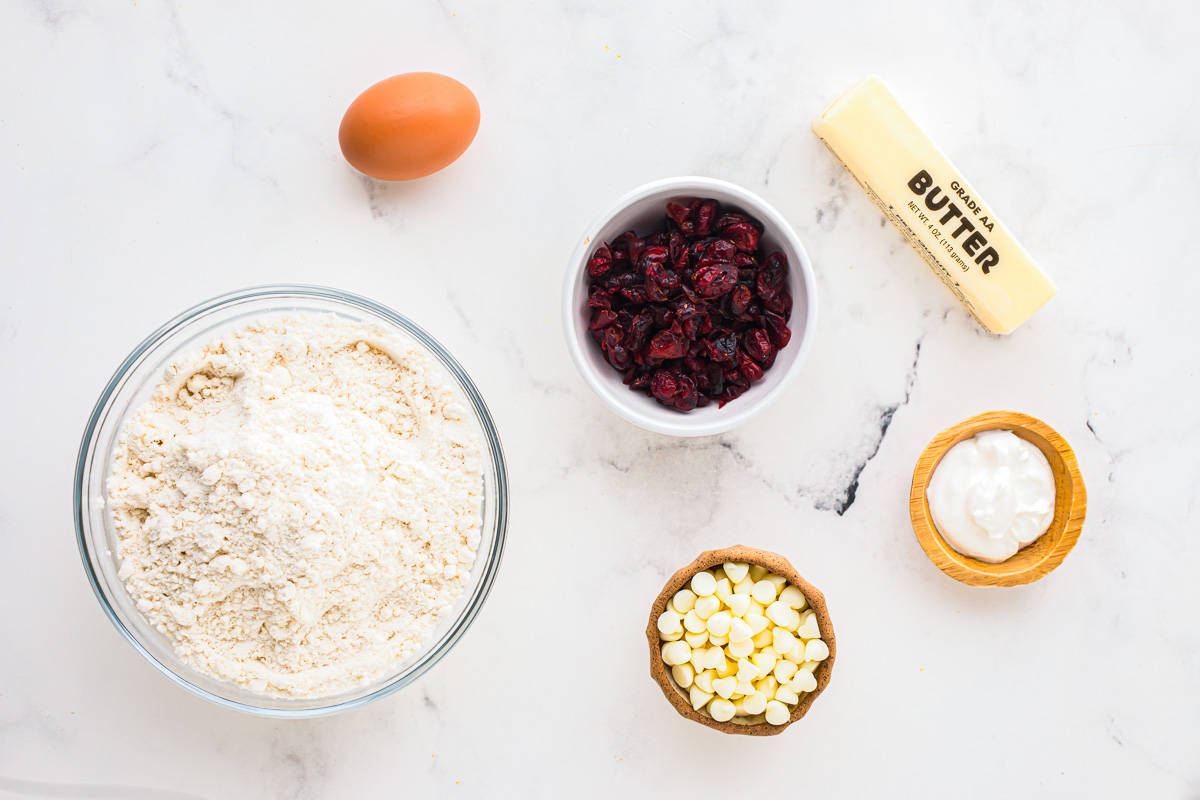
298, 504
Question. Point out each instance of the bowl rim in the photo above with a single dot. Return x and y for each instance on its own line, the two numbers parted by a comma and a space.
777, 564
447, 361
1064, 530
734, 414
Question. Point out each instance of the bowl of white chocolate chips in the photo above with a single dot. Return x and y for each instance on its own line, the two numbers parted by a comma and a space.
740, 642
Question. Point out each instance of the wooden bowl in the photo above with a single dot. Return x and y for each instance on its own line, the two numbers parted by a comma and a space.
749, 726
1033, 561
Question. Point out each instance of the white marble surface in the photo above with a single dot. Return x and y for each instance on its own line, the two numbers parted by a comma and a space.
157, 153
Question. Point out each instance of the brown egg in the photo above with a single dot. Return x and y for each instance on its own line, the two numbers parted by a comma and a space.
409, 126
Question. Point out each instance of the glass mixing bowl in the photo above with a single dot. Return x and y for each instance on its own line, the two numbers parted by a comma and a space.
132, 385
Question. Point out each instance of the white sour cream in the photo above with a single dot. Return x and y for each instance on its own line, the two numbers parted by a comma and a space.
992, 495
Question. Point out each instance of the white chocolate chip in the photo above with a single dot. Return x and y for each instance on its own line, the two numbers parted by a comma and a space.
765, 659
778, 581
763, 592
777, 713
808, 628
704, 584
738, 604
683, 675
743, 586
782, 640
714, 657
719, 641
724, 590
754, 703
683, 601
757, 623
803, 681
700, 639
736, 570
757, 573
693, 623
707, 606
793, 597
720, 624
671, 637
762, 638
748, 670
796, 653
676, 653
816, 650
699, 698
767, 686
721, 710
703, 680
726, 669
739, 630
784, 670
779, 613
670, 622
741, 648
725, 686
785, 694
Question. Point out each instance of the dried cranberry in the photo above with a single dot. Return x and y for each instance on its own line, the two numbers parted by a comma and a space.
721, 349
757, 344
654, 292
714, 280
622, 280
731, 218
685, 309
749, 369
663, 385
716, 250
660, 274
705, 214
639, 331
602, 318
777, 327
744, 236
677, 247
635, 294
667, 344
739, 300
677, 212
600, 262
780, 304
652, 254
599, 298
613, 335
772, 276
685, 398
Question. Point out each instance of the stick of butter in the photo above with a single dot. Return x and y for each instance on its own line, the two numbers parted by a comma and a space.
940, 214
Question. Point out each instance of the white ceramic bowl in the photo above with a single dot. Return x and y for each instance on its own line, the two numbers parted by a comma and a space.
640, 211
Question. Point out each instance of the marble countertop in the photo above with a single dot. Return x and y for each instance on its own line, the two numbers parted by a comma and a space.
158, 153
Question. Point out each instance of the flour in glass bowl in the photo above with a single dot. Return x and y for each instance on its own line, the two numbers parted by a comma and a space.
298, 504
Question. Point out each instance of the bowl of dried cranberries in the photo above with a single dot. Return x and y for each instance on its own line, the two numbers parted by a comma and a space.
689, 306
